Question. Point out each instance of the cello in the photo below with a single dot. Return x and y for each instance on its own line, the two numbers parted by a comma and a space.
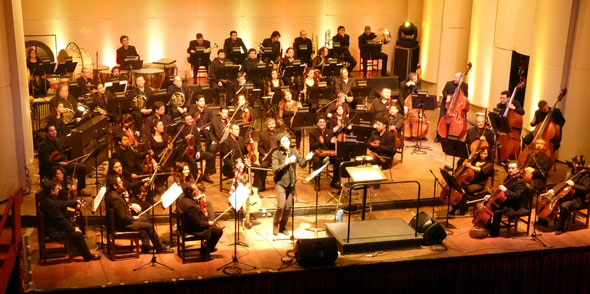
547, 206
463, 174
548, 131
416, 125
484, 214
511, 142
454, 122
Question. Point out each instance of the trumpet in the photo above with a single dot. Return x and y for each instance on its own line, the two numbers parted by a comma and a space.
177, 99
99, 110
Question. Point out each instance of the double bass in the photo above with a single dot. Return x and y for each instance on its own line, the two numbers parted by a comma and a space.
548, 131
454, 122
416, 124
511, 142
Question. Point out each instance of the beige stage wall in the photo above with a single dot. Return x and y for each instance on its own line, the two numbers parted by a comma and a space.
163, 29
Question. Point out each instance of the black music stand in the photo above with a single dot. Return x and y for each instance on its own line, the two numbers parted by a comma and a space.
359, 91
315, 175
452, 183
63, 68
100, 143
332, 69
304, 52
120, 104
304, 119
268, 55
260, 73
362, 132
454, 148
44, 69
116, 87
204, 90
229, 72
347, 151
200, 55
74, 89
254, 95
422, 102
361, 117
236, 55
130, 64
294, 71
161, 95
499, 124
319, 93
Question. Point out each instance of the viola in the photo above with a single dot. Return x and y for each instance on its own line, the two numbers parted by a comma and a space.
55, 156
511, 142
548, 131
250, 146
454, 122
202, 200
190, 150
148, 166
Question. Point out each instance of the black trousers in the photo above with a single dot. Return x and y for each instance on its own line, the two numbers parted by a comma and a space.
565, 211
216, 234
284, 200
317, 162
209, 159
468, 196
260, 175
147, 233
77, 239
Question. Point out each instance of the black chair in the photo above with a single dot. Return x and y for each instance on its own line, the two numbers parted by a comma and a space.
221, 176
62, 252
113, 235
583, 211
182, 237
522, 215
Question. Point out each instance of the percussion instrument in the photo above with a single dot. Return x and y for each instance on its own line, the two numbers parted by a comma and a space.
168, 65
79, 55
96, 70
154, 77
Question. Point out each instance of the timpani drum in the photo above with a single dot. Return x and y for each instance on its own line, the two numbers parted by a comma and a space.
168, 66
96, 72
154, 77
105, 75
80, 56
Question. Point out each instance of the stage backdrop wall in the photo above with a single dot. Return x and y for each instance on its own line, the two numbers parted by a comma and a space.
16, 148
162, 29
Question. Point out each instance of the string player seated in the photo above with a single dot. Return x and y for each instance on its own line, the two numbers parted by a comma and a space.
197, 218
483, 168
537, 166
540, 115
581, 186
381, 143
323, 143
190, 150
232, 149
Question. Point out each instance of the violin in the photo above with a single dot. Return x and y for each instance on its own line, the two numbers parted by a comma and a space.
81, 203
250, 146
148, 166
56, 156
202, 200
190, 150
246, 114
454, 122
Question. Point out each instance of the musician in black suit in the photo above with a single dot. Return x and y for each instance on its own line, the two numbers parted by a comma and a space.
323, 139
190, 131
56, 224
232, 149
447, 94
382, 142
200, 53
303, 40
126, 50
56, 118
195, 221
381, 106
284, 161
232, 42
267, 143
85, 82
274, 43
219, 123
251, 69
371, 51
540, 115
343, 52
51, 154
479, 132
505, 102
131, 160
215, 71
69, 102
178, 87
409, 86
235, 88
205, 116
581, 186
345, 83
514, 188
125, 221
158, 113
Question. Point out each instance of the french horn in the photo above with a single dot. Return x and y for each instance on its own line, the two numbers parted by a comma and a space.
177, 99
139, 101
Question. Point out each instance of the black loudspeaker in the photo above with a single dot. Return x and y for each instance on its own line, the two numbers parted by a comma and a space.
405, 61
316, 252
433, 232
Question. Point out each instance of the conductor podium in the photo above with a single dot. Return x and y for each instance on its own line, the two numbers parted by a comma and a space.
370, 235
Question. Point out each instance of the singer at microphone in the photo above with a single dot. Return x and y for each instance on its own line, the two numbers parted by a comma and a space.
284, 168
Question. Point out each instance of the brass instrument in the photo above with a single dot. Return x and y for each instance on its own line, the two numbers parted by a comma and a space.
383, 36
139, 101
178, 99
68, 115
99, 109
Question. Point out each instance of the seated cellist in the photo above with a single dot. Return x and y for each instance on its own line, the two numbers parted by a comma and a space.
482, 168
581, 186
537, 167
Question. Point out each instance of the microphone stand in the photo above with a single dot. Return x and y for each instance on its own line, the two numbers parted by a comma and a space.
434, 194
316, 176
99, 245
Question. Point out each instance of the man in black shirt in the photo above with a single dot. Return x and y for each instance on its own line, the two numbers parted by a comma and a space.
57, 225
323, 139
505, 103
235, 88
382, 143
538, 165
581, 186
267, 143
274, 43
51, 154
479, 132
85, 82
232, 149
200, 53
215, 69
409, 86
342, 51
447, 95
251, 65
158, 112
126, 50
130, 159
191, 132
303, 42
234, 42
345, 83
63, 95
514, 188
540, 116
371, 51
178, 88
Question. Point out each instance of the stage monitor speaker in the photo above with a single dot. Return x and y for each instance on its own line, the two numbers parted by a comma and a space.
316, 252
433, 232
405, 61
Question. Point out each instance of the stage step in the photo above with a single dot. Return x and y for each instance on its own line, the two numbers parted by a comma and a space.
374, 235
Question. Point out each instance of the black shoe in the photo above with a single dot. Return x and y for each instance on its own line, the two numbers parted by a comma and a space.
146, 249
165, 251
92, 257
384, 75
213, 250
335, 185
558, 232
207, 179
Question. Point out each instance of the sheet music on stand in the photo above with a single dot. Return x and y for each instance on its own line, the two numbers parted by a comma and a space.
366, 174
98, 199
171, 195
239, 196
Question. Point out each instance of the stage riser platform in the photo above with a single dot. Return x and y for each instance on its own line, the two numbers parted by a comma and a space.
374, 235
